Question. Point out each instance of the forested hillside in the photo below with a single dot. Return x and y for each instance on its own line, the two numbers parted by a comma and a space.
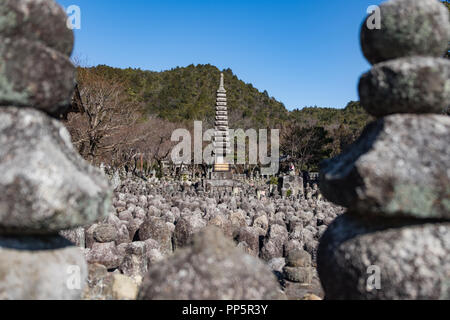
130, 111
185, 94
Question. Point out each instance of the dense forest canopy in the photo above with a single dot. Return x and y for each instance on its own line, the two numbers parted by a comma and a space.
186, 94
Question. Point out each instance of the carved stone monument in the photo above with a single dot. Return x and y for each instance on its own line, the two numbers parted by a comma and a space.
394, 241
221, 175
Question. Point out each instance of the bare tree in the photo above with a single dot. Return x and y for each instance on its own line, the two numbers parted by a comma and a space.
102, 126
153, 140
306, 143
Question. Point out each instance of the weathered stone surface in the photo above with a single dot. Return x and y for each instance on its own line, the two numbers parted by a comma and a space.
211, 269
123, 288
311, 297
223, 224
408, 85
105, 254
123, 235
105, 233
273, 246
250, 236
408, 28
294, 184
261, 222
156, 228
32, 74
238, 221
153, 256
186, 228
41, 268
311, 247
89, 235
45, 186
76, 236
298, 258
134, 263
296, 230
38, 20
99, 283
277, 264
133, 228
270, 250
399, 167
298, 274
292, 245
299, 291
413, 259
245, 248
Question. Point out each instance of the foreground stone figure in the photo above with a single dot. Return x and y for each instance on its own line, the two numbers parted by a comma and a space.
413, 258
408, 28
40, 268
395, 178
392, 170
43, 176
212, 268
45, 186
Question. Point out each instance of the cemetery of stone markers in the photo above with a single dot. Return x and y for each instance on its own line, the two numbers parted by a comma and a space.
373, 224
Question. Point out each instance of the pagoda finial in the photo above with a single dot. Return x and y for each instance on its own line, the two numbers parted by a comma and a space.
221, 87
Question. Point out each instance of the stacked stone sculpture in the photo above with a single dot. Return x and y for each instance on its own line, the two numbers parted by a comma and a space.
211, 268
298, 267
45, 186
221, 131
221, 177
394, 240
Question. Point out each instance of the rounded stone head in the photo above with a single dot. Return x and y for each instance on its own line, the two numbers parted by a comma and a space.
405, 28
35, 46
37, 20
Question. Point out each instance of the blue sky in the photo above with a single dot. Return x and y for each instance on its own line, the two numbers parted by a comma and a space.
303, 52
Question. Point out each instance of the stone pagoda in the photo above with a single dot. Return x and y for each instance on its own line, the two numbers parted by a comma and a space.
221, 176
221, 134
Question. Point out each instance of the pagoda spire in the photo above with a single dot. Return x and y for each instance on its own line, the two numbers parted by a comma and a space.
221, 86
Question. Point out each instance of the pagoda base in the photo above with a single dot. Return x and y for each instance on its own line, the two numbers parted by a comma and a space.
221, 177
221, 171
222, 167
